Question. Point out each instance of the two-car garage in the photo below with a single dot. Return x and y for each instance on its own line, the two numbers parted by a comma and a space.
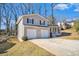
33, 33
44, 33
32, 26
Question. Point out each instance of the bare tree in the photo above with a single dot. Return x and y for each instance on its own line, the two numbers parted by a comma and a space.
29, 8
1, 5
0, 16
33, 10
38, 8
25, 6
7, 16
14, 12
53, 18
45, 10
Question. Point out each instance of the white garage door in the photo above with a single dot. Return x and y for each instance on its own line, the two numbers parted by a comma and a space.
44, 33
31, 33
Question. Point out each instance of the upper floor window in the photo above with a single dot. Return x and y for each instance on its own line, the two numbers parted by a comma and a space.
30, 21
27, 20
42, 22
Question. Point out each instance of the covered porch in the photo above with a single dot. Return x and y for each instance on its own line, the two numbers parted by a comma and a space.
55, 31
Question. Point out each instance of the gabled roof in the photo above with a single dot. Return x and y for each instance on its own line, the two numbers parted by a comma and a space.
20, 18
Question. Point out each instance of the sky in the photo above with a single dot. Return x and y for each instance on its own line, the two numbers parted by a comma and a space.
61, 11
66, 11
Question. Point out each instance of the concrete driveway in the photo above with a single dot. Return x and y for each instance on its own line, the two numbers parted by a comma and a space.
59, 47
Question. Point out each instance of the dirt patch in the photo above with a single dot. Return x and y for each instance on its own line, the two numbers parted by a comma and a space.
5, 46
15, 48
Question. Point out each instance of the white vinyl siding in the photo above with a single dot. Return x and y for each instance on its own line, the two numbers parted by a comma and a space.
44, 33
31, 33
46, 23
35, 31
20, 30
36, 22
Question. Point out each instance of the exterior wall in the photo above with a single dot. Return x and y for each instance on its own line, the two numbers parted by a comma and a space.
36, 20
38, 33
38, 30
20, 30
55, 30
23, 26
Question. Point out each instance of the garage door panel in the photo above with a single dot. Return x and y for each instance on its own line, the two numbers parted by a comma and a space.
31, 33
44, 33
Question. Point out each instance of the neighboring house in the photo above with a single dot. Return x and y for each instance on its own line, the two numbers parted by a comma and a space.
71, 23
33, 26
65, 25
62, 25
55, 30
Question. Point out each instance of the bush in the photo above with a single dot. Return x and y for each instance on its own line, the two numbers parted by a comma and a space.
25, 38
76, 26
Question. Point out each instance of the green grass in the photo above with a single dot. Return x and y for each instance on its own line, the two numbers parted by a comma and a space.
15, 48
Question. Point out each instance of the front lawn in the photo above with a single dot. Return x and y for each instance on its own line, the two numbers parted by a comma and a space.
15, 48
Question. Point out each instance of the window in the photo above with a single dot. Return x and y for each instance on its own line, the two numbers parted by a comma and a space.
32, 21
27, 20
40, 22
44, 23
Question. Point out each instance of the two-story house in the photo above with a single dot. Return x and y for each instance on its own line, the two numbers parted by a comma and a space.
33, 26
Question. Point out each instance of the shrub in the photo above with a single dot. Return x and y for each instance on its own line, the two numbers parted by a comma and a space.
25, 38
76, 26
